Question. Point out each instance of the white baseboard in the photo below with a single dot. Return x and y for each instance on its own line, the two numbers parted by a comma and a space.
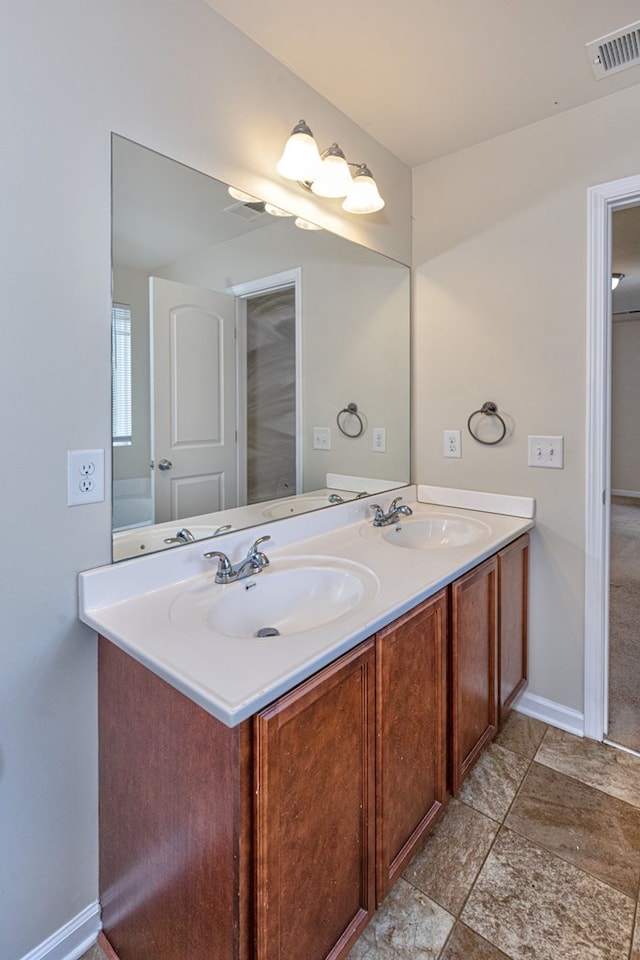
555, 714
72, 940
625, 493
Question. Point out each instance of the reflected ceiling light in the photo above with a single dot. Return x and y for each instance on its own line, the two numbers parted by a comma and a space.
327, 174
242, 196
276, 211
306, 224
615, 279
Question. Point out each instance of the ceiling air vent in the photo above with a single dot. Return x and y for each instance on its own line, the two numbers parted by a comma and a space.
617, 51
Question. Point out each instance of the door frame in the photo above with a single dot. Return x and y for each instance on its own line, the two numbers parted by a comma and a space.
603, 199
243, 292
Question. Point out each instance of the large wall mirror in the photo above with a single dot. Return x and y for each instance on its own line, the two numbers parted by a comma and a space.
241, 344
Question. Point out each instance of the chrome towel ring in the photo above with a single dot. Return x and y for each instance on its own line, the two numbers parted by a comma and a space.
488, 409
348, 426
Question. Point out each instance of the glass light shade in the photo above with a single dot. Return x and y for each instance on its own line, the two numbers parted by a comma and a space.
300, 158
242, 196
276, 211
363, 197
306, 224
615, 279
334, 179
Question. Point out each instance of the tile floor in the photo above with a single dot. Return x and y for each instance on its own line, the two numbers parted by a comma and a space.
536, 858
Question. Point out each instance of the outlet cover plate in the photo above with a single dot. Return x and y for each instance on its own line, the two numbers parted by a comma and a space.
85, 477
452, 444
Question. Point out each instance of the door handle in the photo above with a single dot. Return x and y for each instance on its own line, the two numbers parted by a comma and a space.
164, 464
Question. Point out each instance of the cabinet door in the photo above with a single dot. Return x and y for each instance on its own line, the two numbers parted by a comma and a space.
513, 578
474, 699
314, 813
411, 734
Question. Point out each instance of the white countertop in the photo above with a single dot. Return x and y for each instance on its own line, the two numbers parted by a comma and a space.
130, 603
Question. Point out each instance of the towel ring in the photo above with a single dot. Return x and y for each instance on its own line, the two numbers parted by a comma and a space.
488, 409
350, 410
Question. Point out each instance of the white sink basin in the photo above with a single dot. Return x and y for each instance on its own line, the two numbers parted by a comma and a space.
292, 596
291, 507
435, 532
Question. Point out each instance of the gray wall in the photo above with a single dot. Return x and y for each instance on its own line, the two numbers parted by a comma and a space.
181, 80
500, 256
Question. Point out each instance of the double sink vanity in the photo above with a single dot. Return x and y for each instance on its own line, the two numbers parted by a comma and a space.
274, 748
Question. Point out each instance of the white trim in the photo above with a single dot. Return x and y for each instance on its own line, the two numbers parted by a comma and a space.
555, 714
625, 493
602, 200
71, 940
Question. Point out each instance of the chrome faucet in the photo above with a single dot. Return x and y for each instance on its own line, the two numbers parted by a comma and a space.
392, 515
182, 536
336, 498
254, 562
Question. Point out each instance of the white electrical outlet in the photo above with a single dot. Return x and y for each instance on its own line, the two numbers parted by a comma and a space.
379, 439
321, 438
85, 477
452, 443
546, 452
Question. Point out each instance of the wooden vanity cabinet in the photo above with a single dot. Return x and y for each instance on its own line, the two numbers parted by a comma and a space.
488, 652
277, 838
411, 714
315, 813
513, 580
175, 820
473, 717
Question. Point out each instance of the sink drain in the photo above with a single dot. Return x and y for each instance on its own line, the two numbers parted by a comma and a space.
268, 632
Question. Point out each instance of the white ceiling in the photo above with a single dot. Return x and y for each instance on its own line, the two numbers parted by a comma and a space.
429, 77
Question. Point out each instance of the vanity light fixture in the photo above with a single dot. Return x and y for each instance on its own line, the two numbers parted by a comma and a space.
615, 279
327, 174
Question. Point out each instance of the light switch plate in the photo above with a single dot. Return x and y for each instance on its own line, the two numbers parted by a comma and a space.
546, 452
321, 438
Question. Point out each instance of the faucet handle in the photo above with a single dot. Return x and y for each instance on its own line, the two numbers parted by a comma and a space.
394, 503
225, 569
259, 558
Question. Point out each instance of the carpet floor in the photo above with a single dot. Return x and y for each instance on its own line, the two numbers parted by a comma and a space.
624, 624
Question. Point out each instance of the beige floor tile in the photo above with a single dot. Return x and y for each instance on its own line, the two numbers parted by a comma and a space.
531, 904
494, 781
635, 948
408, 926
464, 944
596, 832
613, 771
450, 860
521, 734
95, 953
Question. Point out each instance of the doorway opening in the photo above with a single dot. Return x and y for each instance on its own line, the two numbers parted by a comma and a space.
623, 726
604, 201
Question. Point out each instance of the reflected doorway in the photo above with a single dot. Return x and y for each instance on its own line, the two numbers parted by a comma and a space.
271, 395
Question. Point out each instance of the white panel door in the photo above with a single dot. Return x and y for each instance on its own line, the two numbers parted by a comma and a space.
193, 384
